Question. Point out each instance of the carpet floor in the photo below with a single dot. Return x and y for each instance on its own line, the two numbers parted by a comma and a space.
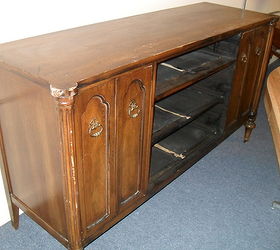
222, 203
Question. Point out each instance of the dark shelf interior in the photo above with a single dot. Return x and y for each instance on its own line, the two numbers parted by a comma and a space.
219, 83
174, 111
172, 152
192, 94
180, 72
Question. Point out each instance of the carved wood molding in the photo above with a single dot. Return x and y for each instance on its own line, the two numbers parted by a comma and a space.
65, 101
136, 109
63, 93
101, 114
273, 22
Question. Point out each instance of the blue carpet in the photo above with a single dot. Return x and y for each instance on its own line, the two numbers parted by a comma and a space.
223, 202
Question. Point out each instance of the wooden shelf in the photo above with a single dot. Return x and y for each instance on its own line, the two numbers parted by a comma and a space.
180, 72
220, 83
174, 112
172, 152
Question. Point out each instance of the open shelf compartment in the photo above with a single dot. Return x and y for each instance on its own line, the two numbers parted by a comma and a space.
174, 151
180, 109
180, 72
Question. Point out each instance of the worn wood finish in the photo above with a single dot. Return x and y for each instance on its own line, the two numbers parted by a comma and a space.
95, 155
77, 111
257, 44
68, 155
263, 53
251, 66
82, 54
133, 95
107, 181
242, 66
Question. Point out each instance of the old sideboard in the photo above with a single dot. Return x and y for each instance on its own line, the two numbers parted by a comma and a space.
97, 119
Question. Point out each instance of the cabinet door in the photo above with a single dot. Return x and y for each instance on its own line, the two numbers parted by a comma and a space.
248, 67
134, 104
258, 44
94, 127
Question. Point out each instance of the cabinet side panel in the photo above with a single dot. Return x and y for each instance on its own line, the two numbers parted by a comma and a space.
31, 140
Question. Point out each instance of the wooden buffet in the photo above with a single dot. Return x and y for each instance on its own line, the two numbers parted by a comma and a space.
97, 119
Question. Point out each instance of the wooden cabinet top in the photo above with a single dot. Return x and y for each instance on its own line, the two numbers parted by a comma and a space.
94, 52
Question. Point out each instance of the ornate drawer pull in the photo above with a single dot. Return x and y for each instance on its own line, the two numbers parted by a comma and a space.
258, 51
133, 109
95, 128
244, 58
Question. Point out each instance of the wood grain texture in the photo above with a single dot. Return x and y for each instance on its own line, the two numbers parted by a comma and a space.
69, 165
248, 80
97, 51
95, 155
272, 105
239, 81
133, 88
257, 45
30, 131
13, 209
262, 51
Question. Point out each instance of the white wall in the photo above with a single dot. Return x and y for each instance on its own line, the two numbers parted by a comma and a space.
20, 19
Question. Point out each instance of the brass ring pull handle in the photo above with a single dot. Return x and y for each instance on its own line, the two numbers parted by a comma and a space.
133, 109
258, 51
95, 128
244, 58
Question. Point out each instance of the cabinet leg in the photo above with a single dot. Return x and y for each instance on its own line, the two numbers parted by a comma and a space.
13, 209
249, 126
14, 214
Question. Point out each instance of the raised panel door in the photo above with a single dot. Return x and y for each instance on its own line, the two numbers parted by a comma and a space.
134, 105
258, 43
94, 126
248, 66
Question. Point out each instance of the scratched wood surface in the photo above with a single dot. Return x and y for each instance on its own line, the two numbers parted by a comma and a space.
93, 52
